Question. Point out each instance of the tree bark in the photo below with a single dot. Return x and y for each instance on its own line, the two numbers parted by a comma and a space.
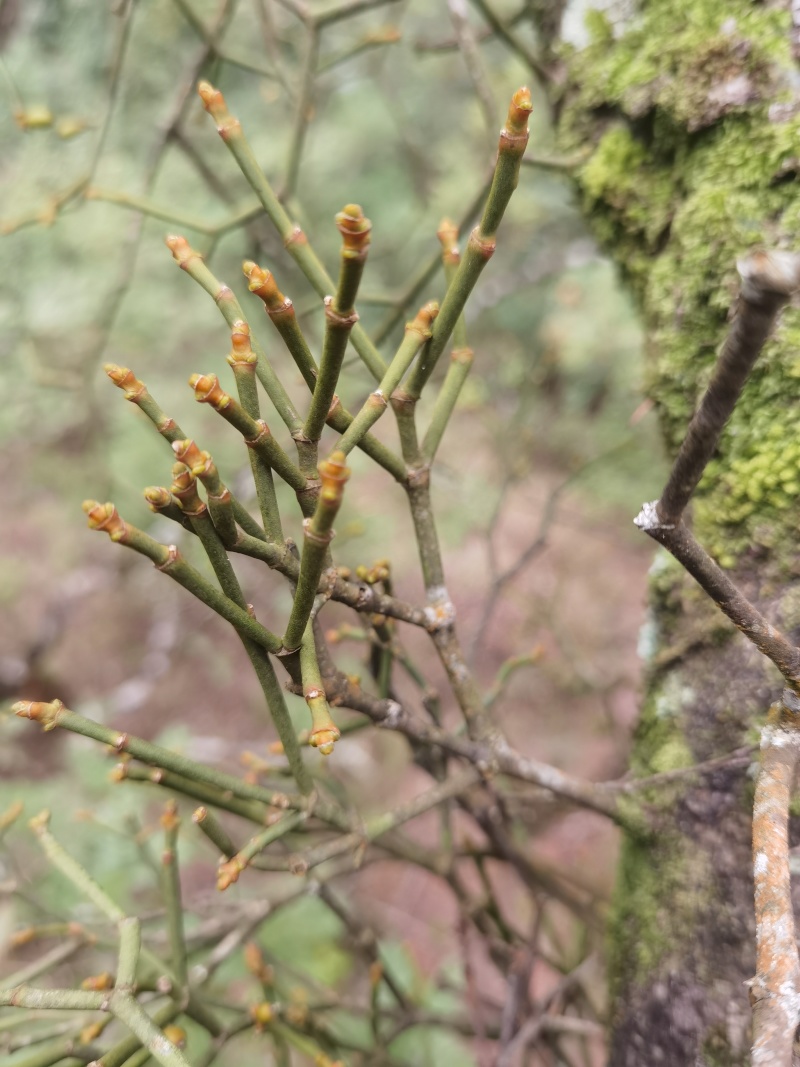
690, 112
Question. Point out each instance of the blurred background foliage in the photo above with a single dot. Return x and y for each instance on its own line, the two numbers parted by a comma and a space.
396, 123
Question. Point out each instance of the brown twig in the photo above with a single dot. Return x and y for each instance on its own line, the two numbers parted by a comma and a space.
775, 990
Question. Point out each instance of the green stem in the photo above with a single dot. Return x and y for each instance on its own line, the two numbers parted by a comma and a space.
317, 531
461, 356
216, 833
252, 810
324, 731
460, 365
130, 945
71, 999
282, 314
295, 241
262, 665
56, 715
244, 362
171, 883
229, 306
137, 393
72, 870
128, 1010
340, 315
417, 332
481, 245
170, 562
230, 870
428, 270
255, 432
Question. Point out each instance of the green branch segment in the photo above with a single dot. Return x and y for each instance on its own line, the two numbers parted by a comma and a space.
281, 312
317, 535
340, 315
417, 333
167, 559
481, 245
294, 240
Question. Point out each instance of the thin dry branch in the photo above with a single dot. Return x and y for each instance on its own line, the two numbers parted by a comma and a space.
775, 990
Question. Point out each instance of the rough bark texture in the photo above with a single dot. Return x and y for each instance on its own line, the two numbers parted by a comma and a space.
692, 113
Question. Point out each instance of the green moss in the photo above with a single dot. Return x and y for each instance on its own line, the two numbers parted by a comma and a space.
659, 741
637, 939
685, 177
661, 889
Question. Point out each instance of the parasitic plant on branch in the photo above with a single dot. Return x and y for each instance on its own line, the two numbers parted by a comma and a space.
287, 818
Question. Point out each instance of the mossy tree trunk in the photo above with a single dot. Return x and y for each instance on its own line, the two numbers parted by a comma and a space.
691, 110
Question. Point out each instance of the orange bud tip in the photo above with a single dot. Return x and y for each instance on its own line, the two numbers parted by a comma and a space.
175, 1034
157, 497
207, 93
207, 390
241, 353
104, 517
354, 228
424, 319
187, 452
519, 112
38, 711
182, 251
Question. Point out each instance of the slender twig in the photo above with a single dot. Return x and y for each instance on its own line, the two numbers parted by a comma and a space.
304, 110
317, 535
243, 361
768, 281
775, 990
416, 334
482, 241
767, 638
171, 881
294, 239
192, 263
340, 315
282, 314
168, 559
200, 463
460, 358
473, 61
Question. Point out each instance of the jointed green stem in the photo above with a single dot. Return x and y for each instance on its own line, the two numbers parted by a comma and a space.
324, 731
317, 531
244, 362
229, 872
255, 432
481, 245
171, 882
137, 393
214, 795
294, 239
262, 665
281, 311
169, 560
56, 715
461, 356
417, 332
192, 263
340, 316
